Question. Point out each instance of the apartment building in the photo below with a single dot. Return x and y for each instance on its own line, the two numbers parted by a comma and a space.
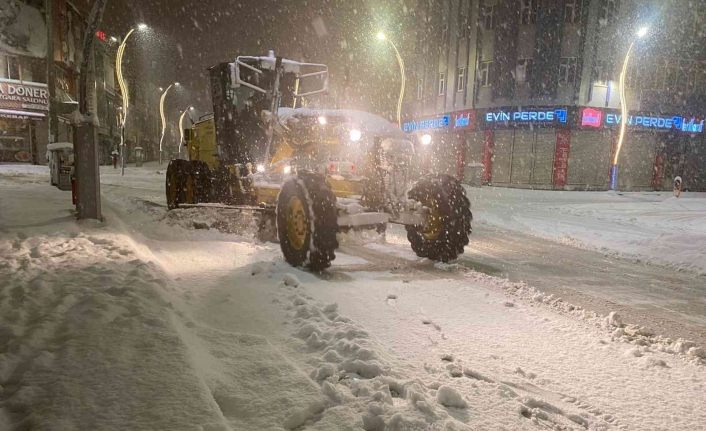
529, 89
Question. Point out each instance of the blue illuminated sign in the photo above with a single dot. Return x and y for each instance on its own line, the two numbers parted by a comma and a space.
660, 123
529, 117
427, 124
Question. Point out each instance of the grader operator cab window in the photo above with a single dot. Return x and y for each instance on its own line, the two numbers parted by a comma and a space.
296, 80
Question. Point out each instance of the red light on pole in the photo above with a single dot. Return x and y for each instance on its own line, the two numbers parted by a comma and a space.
100, 34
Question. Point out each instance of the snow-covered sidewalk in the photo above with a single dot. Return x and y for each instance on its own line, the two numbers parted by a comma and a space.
653, 226
151, 321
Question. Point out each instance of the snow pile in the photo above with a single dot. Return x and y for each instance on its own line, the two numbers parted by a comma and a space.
612, 324
83, 320
25, 172
226, 221
654, 227
361, 387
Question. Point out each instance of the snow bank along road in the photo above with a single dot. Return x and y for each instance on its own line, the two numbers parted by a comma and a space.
144, 322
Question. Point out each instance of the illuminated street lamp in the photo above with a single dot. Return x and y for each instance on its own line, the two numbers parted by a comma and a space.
181, 126
163, 117
124, 92
641, 33
381, 36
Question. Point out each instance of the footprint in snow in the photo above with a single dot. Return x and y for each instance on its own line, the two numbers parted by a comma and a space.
291, 280
428, 321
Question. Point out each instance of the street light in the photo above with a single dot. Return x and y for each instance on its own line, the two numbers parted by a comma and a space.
163, 117
382, 37
124, 92
641, 33
181, 126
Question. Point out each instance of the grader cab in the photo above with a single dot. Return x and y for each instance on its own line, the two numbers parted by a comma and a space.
312, 172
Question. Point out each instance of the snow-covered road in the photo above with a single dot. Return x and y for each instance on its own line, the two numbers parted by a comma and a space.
670, 302
147, 323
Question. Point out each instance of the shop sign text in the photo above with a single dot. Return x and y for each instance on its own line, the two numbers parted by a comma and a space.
660, 123
534, 116
23, 95
427, 124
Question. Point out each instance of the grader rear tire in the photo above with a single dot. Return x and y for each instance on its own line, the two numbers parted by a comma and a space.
449, 225
202, 181
178, 172
307, 222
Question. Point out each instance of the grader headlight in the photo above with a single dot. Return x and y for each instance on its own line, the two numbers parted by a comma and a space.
355, 135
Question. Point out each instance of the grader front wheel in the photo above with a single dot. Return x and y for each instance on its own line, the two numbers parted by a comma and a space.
307, 221
448, 225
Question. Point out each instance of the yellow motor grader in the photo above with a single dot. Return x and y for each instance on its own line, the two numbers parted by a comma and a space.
311, 173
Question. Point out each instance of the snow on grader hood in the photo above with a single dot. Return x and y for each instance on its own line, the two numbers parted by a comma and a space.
311, 173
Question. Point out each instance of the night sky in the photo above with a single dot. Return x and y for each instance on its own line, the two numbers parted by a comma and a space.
188, 36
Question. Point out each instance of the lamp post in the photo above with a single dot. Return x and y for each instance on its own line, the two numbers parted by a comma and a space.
181, 126
381, 36
124, 91
641, 33
163, 117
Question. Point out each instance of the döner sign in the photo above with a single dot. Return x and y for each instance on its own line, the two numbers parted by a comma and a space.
23, 95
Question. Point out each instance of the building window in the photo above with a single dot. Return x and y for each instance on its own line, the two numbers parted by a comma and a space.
420, 88
9, 67
109, 74
442, 83
487, 16
465, 31
567, 70
523, 71
528, 11
608, 12
601, 73
484, 73
461, 79
572, 11
671, 71
632, 79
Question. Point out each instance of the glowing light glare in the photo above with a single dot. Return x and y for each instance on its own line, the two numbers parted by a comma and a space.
287, 170
176, 84
322, 120
355, 135
261, 168
142, 26
113, 39
181, 129
642, 32
403, 77
164, 120
426, 139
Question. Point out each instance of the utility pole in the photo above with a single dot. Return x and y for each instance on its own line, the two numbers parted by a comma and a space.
53, 126
86, 136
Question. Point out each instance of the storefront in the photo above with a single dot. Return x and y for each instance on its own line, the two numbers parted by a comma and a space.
23, 111
565, 148
652, 143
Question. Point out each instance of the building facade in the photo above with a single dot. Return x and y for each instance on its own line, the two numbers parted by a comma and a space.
529, 90
24, 96
37, 63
